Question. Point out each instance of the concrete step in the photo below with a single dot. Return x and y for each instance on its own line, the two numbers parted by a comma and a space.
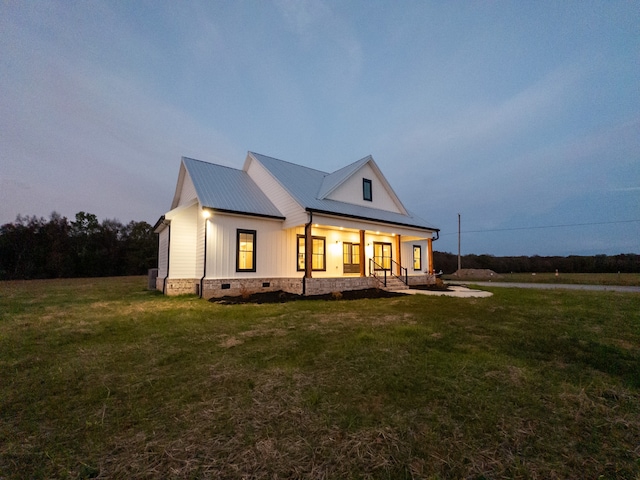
393, 283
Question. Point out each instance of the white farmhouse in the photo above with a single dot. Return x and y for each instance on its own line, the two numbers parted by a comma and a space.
275, 226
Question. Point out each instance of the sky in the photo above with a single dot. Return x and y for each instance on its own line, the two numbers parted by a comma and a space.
523, 117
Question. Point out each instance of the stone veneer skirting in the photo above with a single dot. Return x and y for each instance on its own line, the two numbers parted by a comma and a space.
215, 288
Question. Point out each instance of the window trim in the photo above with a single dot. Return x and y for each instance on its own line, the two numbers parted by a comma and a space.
239, 232
324, 254
366, 182
419, 248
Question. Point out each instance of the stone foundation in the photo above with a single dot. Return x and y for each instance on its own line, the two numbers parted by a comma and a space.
320, 286
425, 279
233, 287
178, 286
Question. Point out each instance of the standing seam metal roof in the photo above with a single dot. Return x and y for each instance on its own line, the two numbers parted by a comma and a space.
305, 185
228, 189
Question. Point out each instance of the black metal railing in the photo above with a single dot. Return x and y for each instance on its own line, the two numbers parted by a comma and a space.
375, 268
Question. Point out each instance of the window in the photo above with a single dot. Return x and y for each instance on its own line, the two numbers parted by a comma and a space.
382, 255
417, 257
318, 253
367, 193
246, 251
351, 257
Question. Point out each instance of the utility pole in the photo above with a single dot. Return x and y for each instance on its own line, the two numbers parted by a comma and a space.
459, 265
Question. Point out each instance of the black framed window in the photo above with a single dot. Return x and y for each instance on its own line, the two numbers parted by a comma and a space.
318, 253
417, 257
367, 192
246, 251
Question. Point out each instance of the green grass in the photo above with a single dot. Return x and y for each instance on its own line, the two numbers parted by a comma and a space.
624, 279
101, 378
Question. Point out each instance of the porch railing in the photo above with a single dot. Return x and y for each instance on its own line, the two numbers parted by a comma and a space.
375, 268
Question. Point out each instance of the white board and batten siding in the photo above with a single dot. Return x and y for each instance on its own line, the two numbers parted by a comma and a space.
184, 232
187, 190
163, 253
272, 247
351, 191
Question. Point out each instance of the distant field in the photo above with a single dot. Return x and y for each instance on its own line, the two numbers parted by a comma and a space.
626, 279
101, 378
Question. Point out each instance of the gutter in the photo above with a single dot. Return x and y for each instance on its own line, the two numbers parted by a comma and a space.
375, 220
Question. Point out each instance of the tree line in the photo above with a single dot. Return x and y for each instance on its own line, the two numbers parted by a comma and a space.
33, 247
624, 263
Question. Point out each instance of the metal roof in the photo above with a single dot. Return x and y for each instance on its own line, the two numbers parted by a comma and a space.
306, 184
337, 178
228, 189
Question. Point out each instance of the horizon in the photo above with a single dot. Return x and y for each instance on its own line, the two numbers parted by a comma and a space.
522, 117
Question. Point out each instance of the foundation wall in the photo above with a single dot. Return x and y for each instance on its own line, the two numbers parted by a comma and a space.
178, 286
425, 279
320, 286
234, 287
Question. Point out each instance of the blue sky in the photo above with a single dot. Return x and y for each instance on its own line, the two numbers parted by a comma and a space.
513, 114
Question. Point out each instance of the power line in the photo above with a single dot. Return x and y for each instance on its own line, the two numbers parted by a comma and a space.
543, 227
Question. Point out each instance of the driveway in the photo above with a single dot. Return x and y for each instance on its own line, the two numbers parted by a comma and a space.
565, 286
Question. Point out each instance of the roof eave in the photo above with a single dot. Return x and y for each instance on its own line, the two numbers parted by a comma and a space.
248, 214
370, 219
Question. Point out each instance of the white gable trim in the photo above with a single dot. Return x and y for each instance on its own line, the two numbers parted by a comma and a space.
353, 171
185, 189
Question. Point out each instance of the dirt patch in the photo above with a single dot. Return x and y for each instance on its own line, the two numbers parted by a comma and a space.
282, 297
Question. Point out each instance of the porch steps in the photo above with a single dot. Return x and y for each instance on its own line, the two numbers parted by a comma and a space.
393, 283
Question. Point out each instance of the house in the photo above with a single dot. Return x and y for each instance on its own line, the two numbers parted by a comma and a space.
275, 226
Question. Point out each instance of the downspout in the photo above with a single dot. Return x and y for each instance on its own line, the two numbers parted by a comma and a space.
204, 266
164, 282
430, 244
308, 246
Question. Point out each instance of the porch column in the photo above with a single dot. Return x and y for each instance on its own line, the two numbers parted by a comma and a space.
430, 255
308, 251
362, 254
399, 255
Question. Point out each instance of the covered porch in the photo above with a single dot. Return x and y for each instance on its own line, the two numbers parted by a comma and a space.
350, 254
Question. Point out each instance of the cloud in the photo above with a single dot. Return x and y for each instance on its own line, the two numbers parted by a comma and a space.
491, 124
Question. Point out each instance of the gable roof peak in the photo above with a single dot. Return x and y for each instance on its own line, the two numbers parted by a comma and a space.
337, 178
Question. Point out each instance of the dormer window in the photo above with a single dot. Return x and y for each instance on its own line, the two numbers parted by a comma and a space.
367, 194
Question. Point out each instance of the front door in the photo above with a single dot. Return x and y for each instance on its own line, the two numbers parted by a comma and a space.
382, 255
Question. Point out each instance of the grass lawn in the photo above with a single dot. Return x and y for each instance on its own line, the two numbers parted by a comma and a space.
624, 279
100, 378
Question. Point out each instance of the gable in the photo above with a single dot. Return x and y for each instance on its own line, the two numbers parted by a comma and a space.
351, 191
185, 190
221, 188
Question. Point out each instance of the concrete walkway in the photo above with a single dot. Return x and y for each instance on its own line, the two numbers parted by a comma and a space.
566, 286
454, 291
